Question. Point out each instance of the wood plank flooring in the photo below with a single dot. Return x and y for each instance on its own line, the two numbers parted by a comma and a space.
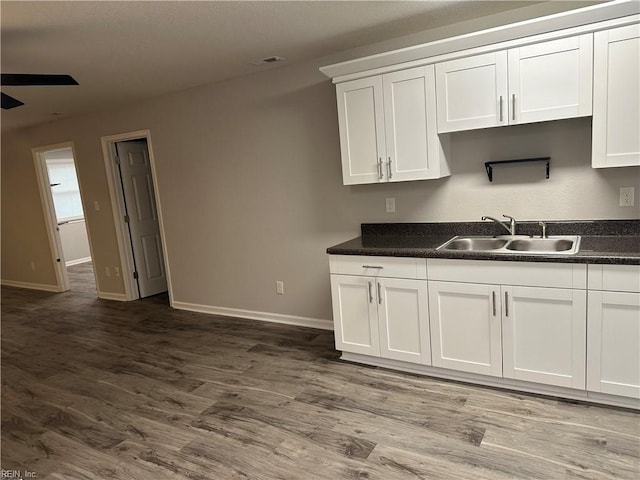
95, 389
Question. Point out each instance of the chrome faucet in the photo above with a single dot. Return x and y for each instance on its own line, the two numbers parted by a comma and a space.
512, 223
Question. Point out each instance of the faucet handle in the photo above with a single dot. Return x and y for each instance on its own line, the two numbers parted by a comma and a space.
544, 229
512, 223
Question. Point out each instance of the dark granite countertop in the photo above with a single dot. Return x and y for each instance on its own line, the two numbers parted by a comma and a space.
603, 241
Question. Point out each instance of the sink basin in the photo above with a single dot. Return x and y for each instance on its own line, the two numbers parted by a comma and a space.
558, 245
476, 243
541, 245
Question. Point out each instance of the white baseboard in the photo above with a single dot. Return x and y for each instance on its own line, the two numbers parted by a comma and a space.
253, 315
77, 261
30, 286
120, 297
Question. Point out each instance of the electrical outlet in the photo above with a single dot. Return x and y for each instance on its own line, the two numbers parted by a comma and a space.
390, 204
116, 270
33, 265
279, 287
627, 196
96, 205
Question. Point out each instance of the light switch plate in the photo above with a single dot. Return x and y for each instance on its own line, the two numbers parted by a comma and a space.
391, 204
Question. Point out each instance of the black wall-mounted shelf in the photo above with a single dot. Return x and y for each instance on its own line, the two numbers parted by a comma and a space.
489, 165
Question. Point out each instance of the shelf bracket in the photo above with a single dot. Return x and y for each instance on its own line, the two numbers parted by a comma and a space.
489, 165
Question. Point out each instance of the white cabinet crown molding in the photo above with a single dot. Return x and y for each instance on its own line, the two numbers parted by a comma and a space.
575, 22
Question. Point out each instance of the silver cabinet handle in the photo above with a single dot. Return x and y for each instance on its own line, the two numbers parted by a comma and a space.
379, 294
513, 106
370, 293
506, 304
389, 168
379, 267
379, 168
501, 108
493, 297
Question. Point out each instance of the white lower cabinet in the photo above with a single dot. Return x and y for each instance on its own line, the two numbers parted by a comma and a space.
465, 327
613, 348
524, 333
355, 318
403, 320
563, 329
381, 316
544, 335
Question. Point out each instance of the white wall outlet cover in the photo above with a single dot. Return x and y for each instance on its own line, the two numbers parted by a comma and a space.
627, 195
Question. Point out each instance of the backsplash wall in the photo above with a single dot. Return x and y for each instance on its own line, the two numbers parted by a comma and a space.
574, 190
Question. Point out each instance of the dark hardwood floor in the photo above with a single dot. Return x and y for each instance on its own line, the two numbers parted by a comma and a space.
96, 389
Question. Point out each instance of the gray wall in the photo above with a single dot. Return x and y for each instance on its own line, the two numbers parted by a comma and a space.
250, 188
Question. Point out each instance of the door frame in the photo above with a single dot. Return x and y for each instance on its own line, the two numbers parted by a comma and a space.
118, 209
51, 221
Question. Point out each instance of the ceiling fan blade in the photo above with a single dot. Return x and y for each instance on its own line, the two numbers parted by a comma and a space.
35, 79
9, 102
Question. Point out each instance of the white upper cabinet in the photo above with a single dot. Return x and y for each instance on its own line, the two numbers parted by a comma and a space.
361, 121
616, 98
551, 80
540, 82
388, 128
472, 92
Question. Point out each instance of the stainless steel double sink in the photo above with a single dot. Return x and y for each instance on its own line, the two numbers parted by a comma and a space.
558, 245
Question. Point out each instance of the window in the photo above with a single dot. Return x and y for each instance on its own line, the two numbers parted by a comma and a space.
65, 189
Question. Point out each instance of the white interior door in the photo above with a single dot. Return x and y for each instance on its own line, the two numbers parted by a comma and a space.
144, 227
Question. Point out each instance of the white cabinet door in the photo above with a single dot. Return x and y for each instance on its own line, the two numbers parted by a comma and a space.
472, 92
361, 123
413, 147
551, 80
404, 320
539, 82
355, 319
544, 335
616, 98
614, 343
388, 129
465, 327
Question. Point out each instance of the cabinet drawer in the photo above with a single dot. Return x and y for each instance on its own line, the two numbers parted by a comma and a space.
394, 267
614, 278
531, 274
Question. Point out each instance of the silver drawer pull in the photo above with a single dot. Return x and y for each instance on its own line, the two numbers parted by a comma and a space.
506, 304
493, 296
373, 266
379, 294
370, 294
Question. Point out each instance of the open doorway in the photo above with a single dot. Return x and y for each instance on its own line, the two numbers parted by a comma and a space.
132, 186
64, 213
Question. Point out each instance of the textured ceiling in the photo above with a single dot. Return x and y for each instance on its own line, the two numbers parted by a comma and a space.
124, 51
